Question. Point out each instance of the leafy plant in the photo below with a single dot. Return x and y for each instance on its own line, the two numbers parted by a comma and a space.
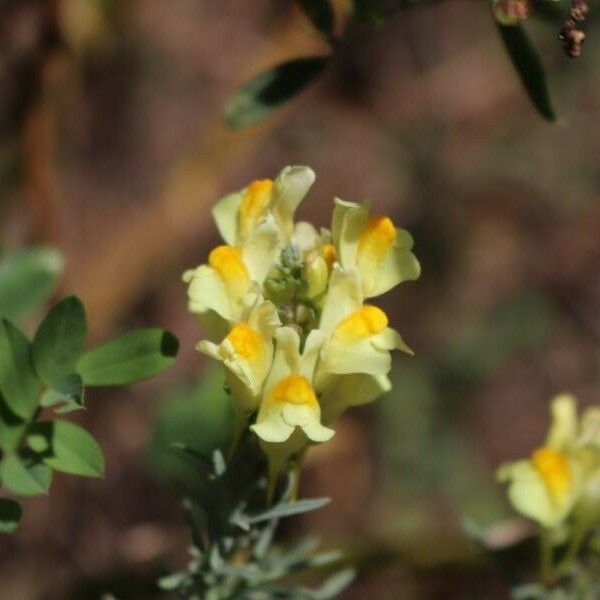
44, 378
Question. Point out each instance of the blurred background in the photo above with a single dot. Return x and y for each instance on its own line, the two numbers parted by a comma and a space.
113, 149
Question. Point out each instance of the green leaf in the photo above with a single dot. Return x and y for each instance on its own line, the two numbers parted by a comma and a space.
71, 449
320, 14
68, 392
18, 381
528, 65
27, 279
132, 357
60, 340
259, 97
24, 476
10, 515
12, 428
367, 11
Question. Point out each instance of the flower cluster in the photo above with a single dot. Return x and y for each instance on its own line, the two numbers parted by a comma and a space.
284, 306
561, 480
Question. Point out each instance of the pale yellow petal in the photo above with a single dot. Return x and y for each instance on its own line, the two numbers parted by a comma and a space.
343, 298
225, 214
207, 291
563, 430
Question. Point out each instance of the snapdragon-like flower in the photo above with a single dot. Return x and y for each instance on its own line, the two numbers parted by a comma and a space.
299, 342
374, 246
561, 476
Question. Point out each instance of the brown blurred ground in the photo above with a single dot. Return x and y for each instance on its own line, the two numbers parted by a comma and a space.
113, 150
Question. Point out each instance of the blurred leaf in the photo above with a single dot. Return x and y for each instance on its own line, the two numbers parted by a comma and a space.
68, 392
71, 449
27, 279
522, 322
10, 515
288, 509
18, 381
24, 476
367, 11
12, 428
60, 340
527, 62
37, 442
320, 14
198, 418
259, 97
335, 585
132, 357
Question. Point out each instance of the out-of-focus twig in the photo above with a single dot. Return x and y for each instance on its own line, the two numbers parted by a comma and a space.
137, 254
571, 33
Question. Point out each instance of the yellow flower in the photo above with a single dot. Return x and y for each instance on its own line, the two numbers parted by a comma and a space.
247, 353
289, 399
372, 245
239, 213
358, 339
548, 486
222, 285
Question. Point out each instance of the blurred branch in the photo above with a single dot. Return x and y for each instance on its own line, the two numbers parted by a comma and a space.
138, 253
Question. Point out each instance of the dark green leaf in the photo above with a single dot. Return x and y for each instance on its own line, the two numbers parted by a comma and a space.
10, 515
528, 65
71, 449
320, 13
68, 392
132, 357
367, 11
24, 476
12, 428
18, 381
259, 97
27, 279
60, 340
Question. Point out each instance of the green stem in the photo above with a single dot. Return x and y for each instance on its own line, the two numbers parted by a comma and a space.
546, 570
581, 529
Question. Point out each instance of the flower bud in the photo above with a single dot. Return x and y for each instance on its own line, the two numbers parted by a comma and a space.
316, 274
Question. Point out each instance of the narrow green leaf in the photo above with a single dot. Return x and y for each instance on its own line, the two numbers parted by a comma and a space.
27, 279
10, 515
367, 11
132, 357
320, 14
71, 449
287, 509
24, 476
60, 340
259, 97
67, 392
12, 428
528, 65
18, 381
335, 585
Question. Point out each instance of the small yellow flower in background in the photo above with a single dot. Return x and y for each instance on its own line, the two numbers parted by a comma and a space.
285, 308
558, 478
